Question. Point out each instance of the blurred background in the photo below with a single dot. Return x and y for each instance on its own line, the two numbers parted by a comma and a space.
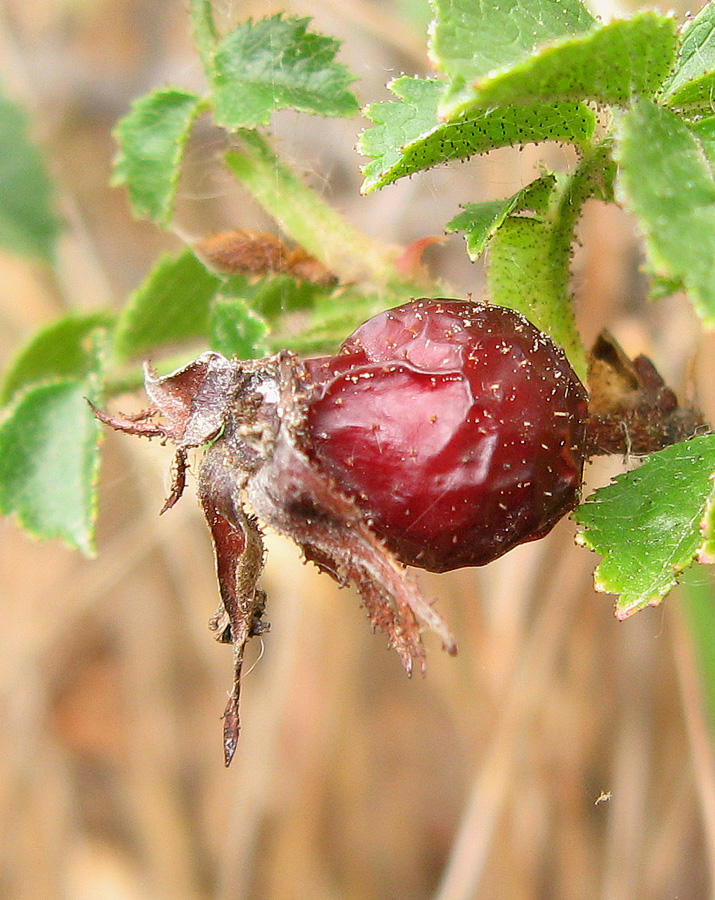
561, 755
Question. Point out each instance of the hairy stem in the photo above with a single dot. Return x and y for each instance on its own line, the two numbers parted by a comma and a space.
309, 220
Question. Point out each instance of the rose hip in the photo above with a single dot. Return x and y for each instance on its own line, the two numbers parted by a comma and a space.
457, 427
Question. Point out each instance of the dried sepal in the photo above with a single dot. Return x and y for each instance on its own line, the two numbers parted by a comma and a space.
260, 254
256, 469
194, 400
631, 410
238, 546
295, 498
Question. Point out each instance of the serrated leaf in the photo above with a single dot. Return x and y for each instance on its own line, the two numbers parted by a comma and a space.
668, 182
470, 39
172, 305
60, 350
612, 64
480, 221
276, 63
409, 137
28, 224
49, 461
152, 138
691, 85
647, 523
236, 330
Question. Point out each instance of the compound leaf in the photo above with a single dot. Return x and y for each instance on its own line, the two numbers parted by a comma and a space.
667, 180
276, 63
28, 224
171, 306
409, 137
49, 462
650, 524
152, 138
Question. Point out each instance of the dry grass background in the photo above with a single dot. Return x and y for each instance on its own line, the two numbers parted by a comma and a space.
350, 782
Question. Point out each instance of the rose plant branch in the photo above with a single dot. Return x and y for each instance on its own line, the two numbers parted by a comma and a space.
443, 432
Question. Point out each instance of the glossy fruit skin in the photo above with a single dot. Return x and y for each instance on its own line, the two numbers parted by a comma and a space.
459, 429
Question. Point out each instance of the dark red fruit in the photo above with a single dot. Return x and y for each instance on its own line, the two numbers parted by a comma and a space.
457, 427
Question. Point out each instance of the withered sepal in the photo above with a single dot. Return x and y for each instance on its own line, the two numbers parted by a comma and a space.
252, 413
631, 410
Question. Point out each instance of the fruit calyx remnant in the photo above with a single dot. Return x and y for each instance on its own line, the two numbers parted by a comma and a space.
631, 409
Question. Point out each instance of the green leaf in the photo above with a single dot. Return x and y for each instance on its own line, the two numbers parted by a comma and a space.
667, 180
171, 306
236, 330
28, 224
480, 221
409, 136
62, 349
611, 64
152, 138
706, 551
661, 288
647, 523
691, 85
49, 461
276, 63
470, 39
704, 131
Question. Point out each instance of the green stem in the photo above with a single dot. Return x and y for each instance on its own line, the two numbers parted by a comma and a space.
204, 29
698, 605
309, 220
592, 177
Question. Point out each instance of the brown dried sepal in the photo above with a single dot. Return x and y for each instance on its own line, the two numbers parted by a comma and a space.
631, 409
254, 470
258, 253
